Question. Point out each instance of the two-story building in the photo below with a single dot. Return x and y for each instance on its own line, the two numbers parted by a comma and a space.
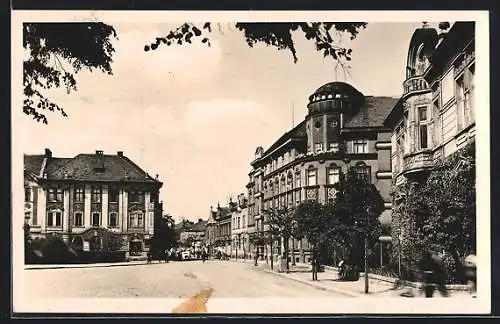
91, 200
343, 129
435, 115
193, 234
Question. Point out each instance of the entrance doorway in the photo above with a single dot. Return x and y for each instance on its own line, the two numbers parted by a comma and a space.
135, 247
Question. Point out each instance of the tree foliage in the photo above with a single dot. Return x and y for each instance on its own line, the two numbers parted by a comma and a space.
325, 35
438, 214
165, 235
56, 52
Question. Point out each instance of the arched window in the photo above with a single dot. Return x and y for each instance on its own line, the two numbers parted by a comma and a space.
311, 176
363, 171
333, 174
297, 179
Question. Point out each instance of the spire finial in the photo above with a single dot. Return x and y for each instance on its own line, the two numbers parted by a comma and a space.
425, 24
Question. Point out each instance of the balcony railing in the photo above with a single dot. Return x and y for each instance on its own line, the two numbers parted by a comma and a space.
419, 161
415, 84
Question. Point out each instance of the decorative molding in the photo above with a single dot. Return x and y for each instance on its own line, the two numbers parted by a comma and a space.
386, 145
384, 174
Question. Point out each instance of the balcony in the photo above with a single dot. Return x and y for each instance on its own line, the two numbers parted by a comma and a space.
414, 84
418, 162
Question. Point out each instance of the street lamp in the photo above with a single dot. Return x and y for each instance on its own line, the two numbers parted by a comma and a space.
366, 249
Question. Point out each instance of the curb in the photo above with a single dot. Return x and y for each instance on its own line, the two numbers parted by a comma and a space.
80, 266
312, 284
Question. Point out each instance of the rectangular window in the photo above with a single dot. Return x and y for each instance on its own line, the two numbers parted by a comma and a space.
55, 194
360, 146
297, 180
54, 218
333, 175
113, 219
423, 130
311, 177
318, 147
79, 195
447, 87
334, 147
363, 172
136, 197
113, 195
78, 219
96, 219
96, 195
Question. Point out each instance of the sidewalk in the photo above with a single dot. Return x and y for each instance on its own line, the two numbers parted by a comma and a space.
329, 281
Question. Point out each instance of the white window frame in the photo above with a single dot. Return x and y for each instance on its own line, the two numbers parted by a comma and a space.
333, 171
92, 218
309, 177
334, 147
52, 215
109, 219
360, 143
420, 124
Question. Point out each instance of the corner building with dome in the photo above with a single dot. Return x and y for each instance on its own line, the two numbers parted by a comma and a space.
342, 129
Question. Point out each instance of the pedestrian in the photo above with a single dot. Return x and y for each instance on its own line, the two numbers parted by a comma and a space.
470, 273
434, 275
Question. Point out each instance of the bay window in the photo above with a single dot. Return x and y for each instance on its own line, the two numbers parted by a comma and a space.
423, 128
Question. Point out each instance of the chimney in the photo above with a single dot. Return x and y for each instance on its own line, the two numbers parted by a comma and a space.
48, 153
120, 153
98, 152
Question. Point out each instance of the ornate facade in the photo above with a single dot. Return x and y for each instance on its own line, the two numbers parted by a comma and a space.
435, 115
343, 128
91, 200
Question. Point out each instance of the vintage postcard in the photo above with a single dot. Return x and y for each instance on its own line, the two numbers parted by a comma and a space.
250, 162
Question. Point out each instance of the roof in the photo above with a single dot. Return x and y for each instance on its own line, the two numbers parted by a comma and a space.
372, 113
33, 163
298, 131
198, 227
88, 167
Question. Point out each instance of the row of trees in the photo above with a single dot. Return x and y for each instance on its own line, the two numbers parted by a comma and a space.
344, 223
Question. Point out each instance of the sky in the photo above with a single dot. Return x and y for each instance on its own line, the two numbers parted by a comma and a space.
194, 114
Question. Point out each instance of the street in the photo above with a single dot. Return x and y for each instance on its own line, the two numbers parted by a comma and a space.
166, 280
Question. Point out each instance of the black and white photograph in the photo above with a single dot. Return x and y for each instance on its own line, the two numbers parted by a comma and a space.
250, 162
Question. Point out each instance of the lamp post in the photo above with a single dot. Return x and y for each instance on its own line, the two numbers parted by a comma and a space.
366, 249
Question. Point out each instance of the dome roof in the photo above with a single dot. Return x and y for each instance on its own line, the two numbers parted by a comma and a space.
336, 86
328, 93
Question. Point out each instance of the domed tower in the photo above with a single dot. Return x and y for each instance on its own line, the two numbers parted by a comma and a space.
324, 119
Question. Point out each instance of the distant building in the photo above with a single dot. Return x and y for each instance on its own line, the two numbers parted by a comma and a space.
218, 231
193, 234
239, 229
435, 115
95, 202
343, 128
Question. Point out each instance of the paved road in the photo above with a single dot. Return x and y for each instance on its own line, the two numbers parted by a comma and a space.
166, 280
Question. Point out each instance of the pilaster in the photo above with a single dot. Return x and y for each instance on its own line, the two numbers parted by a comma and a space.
66, 211
86, 207
147, 197
42, 208
124, 209
104, 206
